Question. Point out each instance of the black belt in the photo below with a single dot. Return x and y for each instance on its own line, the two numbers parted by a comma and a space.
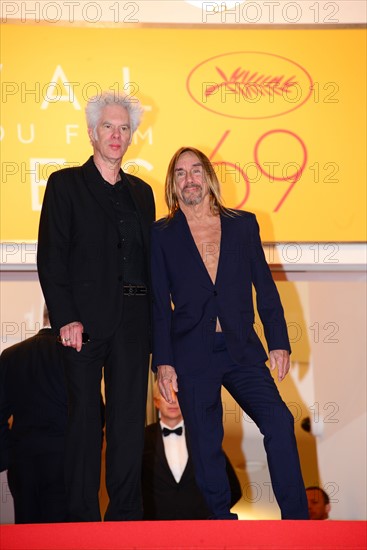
135, 290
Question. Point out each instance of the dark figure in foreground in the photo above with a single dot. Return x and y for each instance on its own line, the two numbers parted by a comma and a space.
32, 390
170, 491
205, 261
93, 251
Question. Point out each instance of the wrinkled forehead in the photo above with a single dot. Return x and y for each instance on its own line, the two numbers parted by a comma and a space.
187, 159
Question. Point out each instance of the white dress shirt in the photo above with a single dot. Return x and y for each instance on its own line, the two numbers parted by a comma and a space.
175, 450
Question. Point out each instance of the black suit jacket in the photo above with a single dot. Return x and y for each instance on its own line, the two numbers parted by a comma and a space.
163, 497
79, 256
32, 389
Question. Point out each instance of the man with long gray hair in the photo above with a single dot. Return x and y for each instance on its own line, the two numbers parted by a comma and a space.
93, 267
205, 261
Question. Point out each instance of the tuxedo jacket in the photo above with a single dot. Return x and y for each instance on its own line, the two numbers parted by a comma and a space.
163, 497
79, 248
32, 389
187, 303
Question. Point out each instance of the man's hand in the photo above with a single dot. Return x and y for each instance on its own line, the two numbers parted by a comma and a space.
280, 358
71, 335
167, 381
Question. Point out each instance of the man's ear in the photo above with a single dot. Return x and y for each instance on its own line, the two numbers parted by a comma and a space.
327, 508
91, 134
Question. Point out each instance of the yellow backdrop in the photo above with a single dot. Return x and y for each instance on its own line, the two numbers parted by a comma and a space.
280, 112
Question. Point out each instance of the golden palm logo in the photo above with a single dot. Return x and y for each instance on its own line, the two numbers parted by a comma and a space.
249, 85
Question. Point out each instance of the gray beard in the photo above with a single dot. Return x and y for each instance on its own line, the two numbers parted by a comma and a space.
192, 201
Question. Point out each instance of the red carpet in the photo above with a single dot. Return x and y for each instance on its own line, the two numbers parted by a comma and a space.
176, 535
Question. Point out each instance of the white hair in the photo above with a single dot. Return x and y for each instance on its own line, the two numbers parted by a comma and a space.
97, 103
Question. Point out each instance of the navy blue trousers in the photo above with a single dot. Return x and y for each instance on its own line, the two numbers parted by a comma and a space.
255, 391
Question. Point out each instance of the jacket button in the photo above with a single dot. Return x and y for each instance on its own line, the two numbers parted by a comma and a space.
120, 278
215, 293
119, 245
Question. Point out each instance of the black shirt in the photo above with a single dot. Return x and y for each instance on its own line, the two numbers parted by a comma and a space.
131, 241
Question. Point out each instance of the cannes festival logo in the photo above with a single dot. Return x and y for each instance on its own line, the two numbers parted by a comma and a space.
249, 85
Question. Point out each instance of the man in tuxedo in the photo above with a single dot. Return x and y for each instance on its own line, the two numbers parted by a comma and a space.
169, 488
93, 251
33, 392
205, 261
318, 503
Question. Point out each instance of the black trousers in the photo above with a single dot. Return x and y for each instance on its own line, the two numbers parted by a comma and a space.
255, 391
125, 359
36, 482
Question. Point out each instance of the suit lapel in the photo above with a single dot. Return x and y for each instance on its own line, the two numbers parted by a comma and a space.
224, 239
92, 179
136, 201
162, 455
186, 473
159, 444
189, 242
191, 245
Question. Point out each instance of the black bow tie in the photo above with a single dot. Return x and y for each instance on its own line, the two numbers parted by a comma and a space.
166, 431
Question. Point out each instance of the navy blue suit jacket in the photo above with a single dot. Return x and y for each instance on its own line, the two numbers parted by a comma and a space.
183, 334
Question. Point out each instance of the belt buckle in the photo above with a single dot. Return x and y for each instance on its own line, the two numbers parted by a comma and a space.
131, 290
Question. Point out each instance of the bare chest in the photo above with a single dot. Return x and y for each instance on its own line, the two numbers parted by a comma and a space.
207, 239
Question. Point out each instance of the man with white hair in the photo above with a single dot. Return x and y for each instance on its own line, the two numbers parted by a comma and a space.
93, 251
